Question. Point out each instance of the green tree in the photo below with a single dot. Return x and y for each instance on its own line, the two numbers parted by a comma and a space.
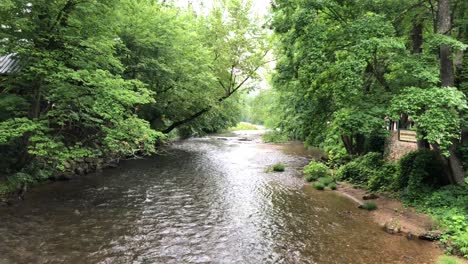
68, 100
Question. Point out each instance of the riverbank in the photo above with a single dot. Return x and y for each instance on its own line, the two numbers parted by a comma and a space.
204, 200
397, 219
405, 220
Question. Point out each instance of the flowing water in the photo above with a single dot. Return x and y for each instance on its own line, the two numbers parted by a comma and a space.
208, 200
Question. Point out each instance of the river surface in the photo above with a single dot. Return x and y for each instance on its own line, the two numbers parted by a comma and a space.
207, 200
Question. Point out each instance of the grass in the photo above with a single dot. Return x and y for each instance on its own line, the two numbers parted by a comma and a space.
318, 186
332, 186
369, 206
279, 167
243, 126
448, 260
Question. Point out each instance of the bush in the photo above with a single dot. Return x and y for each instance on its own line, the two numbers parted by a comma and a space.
326, 180
318, 186
279, 167
368, 206
360, 170
383, 179
274, 137
337, 158
332, 186
315, 170
449, 206
419, 170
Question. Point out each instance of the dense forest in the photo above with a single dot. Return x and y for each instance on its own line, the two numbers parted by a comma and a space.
85, 83
347, 69
95, 81
347, 66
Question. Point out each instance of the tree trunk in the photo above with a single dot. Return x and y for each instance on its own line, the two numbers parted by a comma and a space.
35, 108
417, 36
186, 120
423, 143
348, 144
360, 142
446, 64
454, 163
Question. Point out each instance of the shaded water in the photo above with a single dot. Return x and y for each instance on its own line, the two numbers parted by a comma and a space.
204, 200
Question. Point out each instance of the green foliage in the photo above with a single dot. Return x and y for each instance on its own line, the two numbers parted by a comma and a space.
279, 167
244, 126
437, 111
448, 205
336, 159
370, 206
318, 186
274, 137
102, 78
332, 186
360, 170
418, 170
447, 260
315, 170
346, 66
326, 180
383, 179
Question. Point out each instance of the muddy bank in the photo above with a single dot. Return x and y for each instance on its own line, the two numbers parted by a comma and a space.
391, 212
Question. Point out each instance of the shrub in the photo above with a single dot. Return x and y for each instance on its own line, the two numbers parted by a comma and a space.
315, 170
337, 158
332, 186
419, 170
383, 179
274, 137
368, 206
318, 186
361, 169
279, 167
449, 206
326, 180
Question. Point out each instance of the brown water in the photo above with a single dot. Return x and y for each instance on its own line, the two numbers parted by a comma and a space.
204, 200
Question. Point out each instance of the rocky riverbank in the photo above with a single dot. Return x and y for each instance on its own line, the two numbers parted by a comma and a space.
392, 215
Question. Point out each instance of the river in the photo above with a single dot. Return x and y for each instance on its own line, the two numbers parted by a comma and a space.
205, 200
